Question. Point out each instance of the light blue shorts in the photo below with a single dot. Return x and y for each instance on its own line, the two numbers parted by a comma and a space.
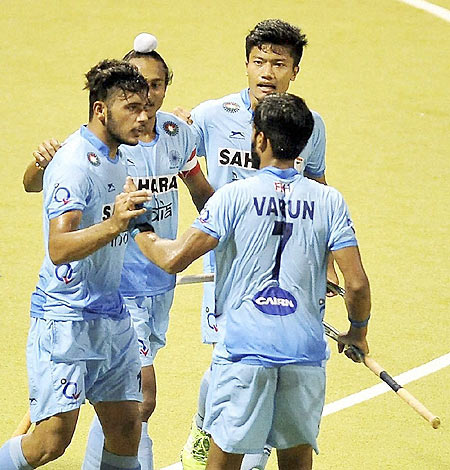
211, 325
69, 361
248, 406
150, 317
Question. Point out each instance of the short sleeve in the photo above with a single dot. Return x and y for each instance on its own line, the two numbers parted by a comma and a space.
197, 128
342, 233
315, 161
217, 217
65, 189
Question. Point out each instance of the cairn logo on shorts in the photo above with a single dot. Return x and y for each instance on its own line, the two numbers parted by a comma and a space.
111, 187
171, 128
212, 323
321, 305
64, 273
93, 159
61, 194
70, 390
143, 349
174, 159
231, 107
33, 401
275, 301
203, 216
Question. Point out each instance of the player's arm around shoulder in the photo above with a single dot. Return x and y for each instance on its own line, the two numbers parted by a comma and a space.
34, 173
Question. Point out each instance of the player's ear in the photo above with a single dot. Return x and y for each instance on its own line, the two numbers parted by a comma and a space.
99, 108
261, 141
295, 73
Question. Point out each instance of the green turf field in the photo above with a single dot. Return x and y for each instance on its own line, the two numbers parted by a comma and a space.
378, 72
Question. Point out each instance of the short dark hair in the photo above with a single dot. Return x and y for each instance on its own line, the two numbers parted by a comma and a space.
286, 122
151, 55
280, 33
110, 75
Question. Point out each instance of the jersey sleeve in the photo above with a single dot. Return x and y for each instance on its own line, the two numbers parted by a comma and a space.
342, 233
190, 165
65, 189
198, 129
216, 218
315, 163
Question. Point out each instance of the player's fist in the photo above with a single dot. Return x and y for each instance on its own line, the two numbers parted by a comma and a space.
183, 114
45, 152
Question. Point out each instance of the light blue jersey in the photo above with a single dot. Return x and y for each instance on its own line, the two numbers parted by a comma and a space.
274, 230
82, 177
154, 166
224, 131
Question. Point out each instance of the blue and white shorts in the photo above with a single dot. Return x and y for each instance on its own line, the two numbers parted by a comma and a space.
69, 361
150, 315
249, 405
211, 325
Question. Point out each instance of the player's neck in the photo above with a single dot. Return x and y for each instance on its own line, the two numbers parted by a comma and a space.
280, 164
101, 132
149, 132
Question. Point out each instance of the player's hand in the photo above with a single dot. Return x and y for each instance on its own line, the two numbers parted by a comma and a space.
183, 114
354, 338
126, 207
45, 152
129, 185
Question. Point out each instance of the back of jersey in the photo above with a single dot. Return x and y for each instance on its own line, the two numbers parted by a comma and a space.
274, 231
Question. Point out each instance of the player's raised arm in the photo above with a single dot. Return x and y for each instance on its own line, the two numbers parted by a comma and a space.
67, 244
174, 255
34, 174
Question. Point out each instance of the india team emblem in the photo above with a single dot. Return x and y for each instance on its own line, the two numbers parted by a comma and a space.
231, 107
93, 159
174, 158
171, 128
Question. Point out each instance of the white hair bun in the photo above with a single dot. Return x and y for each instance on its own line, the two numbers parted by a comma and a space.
145, 43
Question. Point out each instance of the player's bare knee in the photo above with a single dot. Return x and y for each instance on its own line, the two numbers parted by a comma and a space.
53, 446
129, 429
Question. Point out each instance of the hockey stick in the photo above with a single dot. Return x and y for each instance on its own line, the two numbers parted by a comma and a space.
371, 364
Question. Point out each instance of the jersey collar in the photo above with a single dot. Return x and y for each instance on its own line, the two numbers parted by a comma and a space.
97, 143
245, 97
279, 173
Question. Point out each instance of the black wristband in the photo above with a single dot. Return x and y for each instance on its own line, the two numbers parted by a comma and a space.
138, 228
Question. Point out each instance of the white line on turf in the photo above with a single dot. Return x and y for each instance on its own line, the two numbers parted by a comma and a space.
379, 389
371, 392
435, 10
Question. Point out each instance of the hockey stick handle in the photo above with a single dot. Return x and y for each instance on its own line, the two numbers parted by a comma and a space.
195, 278
401, 392
373, 365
